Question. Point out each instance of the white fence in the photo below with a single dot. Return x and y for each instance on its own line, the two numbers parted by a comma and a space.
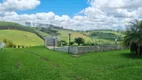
86, 49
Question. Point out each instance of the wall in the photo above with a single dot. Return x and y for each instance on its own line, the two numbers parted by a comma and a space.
1, 45
86, 49
50, 41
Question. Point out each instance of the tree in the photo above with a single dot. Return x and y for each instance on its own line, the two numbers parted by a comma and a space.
79, 40
8, 43
133, 38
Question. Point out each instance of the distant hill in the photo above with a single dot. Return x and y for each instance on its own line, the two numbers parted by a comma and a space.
92, 36
105, 36
16, 26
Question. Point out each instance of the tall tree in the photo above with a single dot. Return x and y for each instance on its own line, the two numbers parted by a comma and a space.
133, 38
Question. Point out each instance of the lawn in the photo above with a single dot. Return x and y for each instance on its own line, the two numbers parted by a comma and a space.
38, 63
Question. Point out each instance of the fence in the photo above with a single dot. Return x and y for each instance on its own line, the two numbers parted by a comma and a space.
86, 49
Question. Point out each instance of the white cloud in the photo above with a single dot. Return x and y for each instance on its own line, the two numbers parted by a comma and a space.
116, 3
12, 5
101, 14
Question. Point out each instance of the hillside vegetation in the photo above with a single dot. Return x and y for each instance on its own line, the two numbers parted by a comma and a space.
16, 26
21, 37
97, 37
94, 36
105, 36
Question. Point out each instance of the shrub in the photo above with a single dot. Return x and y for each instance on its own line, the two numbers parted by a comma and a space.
19, 46
8, 43
22, 46
62, 42
5, 41
79, 40
71, 43
14, 46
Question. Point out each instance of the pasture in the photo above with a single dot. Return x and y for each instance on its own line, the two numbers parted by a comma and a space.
39, 63
21, 37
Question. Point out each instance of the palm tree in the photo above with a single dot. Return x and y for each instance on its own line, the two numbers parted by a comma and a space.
133, 38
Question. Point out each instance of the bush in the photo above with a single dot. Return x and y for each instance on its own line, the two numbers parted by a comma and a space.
71, 43
79, 40
62, 43
22, 46
14, 46
19, 46
8, 43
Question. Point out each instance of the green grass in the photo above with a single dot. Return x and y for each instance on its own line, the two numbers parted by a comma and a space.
43, 34
21, 37
38, 63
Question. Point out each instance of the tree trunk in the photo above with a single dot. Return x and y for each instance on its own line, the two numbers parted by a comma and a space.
140, 50
134, 48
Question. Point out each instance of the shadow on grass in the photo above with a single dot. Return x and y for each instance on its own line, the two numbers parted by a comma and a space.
130, 55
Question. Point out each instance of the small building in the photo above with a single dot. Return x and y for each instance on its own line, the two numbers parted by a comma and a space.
50, 41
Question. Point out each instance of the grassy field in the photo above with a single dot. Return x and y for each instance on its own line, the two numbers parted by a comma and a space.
38, 63
21, 37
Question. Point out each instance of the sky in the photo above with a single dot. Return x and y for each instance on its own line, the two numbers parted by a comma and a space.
59, 7
73, 14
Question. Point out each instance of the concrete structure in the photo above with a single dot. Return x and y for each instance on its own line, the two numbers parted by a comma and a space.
1, 45
50, 41
86, 49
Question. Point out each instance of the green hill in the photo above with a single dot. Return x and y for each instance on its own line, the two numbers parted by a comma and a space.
94, 36
105, 36
16, 26
21, 37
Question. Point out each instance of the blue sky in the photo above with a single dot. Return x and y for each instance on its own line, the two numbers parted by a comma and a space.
59, 7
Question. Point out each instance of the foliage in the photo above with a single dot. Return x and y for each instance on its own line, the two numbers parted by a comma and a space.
62, 43
133, 37
49, 31
71, 43
79, 40
107, 36
133, 48
88, 44
14, 46
18, 37
8, 43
